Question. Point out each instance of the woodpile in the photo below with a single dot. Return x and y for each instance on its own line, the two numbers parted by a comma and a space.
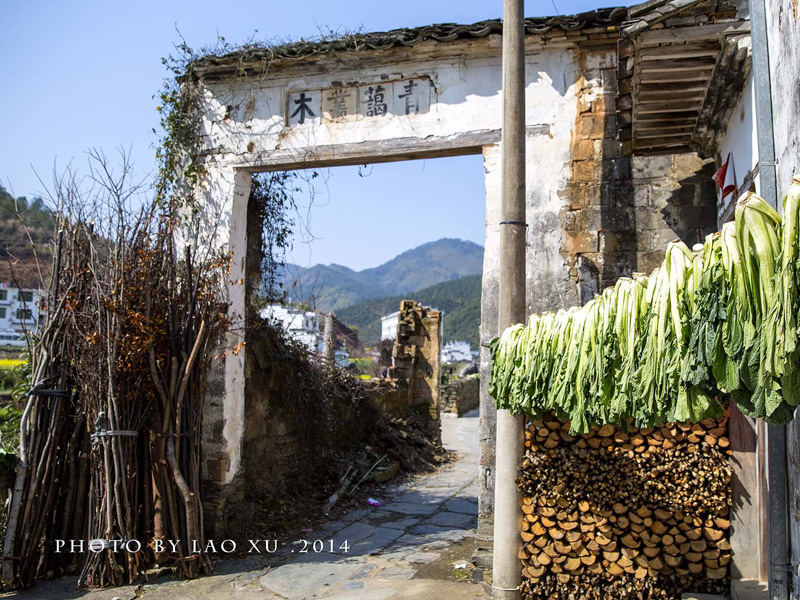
612, 514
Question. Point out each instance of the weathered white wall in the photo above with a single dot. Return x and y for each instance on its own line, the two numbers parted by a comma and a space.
245, 124
741, 141
783, 33
245, 130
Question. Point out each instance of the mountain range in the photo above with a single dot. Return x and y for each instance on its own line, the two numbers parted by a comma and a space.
334, 287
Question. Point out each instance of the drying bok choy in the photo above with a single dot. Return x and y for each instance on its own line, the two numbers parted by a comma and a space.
715, 322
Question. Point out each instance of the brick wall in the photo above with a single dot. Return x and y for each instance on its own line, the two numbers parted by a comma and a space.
461, 395
416, 355
620, 213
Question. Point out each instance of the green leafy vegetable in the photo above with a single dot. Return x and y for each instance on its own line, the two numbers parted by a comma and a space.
718, 320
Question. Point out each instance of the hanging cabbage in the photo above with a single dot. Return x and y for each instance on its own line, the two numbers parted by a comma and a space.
719, 320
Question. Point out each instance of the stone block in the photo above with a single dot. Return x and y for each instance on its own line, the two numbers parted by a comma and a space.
672, 196
619, 219
652, 167
706, 193
688, 164
584, 149
691, 217
584, 103
571, 220
216, 468
610, 80
749, 589
587, 170
580, 196
661, 237
647, 261
589, 219
611, 126
647, 218
642, 197
577, 243
611, 242
611, 148
592, 126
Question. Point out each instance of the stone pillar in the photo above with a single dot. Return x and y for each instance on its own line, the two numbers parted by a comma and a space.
488, 330
224, 199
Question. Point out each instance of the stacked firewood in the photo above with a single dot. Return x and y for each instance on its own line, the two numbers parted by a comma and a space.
615, 514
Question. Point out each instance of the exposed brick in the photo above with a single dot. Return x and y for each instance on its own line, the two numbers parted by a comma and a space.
671, 195
611, 148
216, 469
611, 242
688, 163
706, 193
584, 150
583, 195
593, 126
652, 167
610, 80
685, 217
587, 170
584, 103
641, 196
571, 220
577, 243
662, 237
618, 219
611, 125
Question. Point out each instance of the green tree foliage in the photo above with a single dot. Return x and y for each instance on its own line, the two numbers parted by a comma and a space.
20, 218
460, 299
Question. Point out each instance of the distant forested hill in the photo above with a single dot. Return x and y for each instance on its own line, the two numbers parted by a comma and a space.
333, 287
460, 299
17, 257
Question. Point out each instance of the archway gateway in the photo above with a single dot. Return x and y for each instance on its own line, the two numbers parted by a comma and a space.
593, 215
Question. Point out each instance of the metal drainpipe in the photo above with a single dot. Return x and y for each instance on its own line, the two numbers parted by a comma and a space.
779, 559
506, 568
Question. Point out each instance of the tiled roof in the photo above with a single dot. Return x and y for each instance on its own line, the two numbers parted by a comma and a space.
444, 32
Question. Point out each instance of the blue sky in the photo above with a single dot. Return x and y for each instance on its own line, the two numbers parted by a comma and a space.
79, 75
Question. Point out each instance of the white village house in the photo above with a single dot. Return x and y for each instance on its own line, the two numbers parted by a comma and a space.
454, 352
389, 326
19, 312
301, 325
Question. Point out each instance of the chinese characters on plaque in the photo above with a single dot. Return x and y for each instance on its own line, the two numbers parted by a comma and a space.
374, 100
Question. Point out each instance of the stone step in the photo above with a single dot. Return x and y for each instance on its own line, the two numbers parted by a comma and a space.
749, 589
701, 597
482, 558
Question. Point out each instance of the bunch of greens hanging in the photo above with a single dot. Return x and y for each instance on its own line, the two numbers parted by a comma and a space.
710, 323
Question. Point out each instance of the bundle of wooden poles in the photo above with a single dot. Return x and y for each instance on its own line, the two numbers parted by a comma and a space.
625, 514
110, 436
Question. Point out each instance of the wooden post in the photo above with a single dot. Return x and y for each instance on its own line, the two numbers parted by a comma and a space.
506, 576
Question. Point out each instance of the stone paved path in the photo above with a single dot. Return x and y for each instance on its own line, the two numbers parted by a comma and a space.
390, 547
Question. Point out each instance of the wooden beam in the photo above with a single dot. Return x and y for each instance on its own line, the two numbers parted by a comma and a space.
667, 96
689, 64
675, 86
660, 133
692, 33
677, 76
662, 144
672, 51
671, 107
668, 116
647, 125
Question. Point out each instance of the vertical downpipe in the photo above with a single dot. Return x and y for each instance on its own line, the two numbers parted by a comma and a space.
778, 522
506, 569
